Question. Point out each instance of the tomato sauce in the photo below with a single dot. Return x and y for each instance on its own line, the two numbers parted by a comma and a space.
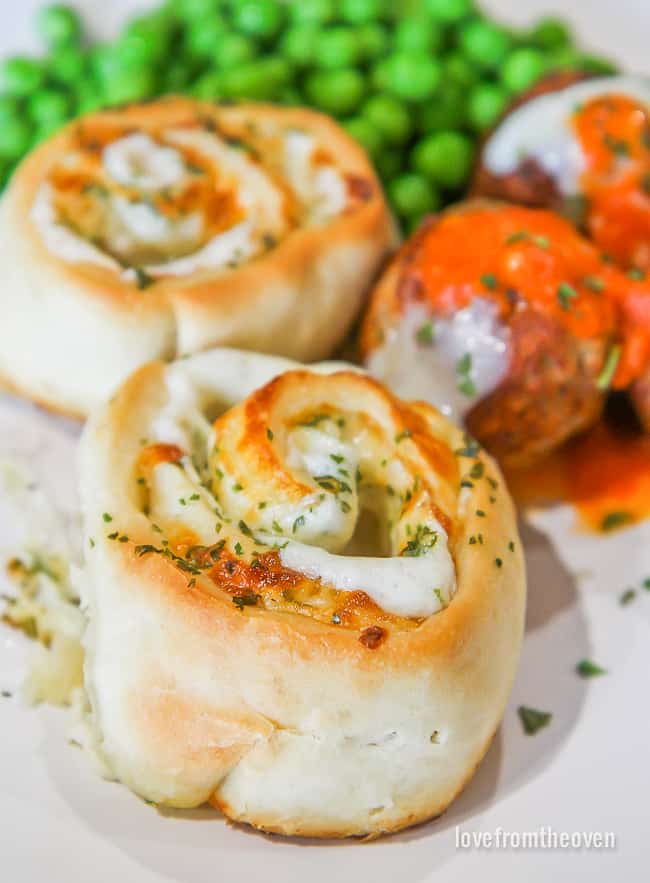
614, 135
513, 255
604, 473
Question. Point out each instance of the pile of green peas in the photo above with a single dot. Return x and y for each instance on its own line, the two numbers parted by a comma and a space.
415, 82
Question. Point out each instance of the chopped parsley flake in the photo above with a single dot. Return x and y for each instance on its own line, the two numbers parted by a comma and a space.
594, 283
106, 517
425, 333
262, 505
300, 520
245, 529
612, 359
565, 294
269, 433
142, 278
477, 470
239, 549
247, 599
636, 274
613, 520
465, 382
533, 720
406, 433
627, 596
337, 458
489, 280
480, 513
237, 487
588, 669
425, 538
498, 562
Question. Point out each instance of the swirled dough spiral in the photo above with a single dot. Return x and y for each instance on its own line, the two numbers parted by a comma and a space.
305, 597
157, 230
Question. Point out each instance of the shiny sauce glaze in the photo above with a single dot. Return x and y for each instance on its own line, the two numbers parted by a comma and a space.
604, 474
613, 132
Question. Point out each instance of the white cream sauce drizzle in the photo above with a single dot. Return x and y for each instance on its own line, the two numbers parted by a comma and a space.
428, 371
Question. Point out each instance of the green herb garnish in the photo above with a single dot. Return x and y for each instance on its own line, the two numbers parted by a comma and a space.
612, 359
588, 669
533, 720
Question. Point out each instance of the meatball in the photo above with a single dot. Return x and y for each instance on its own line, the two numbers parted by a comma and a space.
504, 317
580, 146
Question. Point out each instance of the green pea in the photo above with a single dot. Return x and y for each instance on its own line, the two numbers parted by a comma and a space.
412, 76
130, 84
389, 164
361, 11
48, 106
46, 130
449, 11
485, 43
89, 97
202, 37
15, 139
233, 50
9, 109
379, 75
445, 158
551, 33
418, 34
262, 79
337, 47
365, 133
388, 117
299, 44
317, 12
105, 62
447, 110
457, 69
67, 65
58, 25
596, 64
373, 40
143, 41
208, 87
290, 96
338, 92
195, 9
177, 77
485, 105
258, 18
412, 195
20, 76
563, 59
522, 68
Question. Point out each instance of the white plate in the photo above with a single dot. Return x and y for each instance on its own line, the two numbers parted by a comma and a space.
587, 772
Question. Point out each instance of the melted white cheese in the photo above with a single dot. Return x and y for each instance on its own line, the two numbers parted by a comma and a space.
428, 372
61, 240
541, 130
403, 586
320, 188
138, 161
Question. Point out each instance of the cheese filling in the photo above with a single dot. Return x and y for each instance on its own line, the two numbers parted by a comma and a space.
151, 210
345, 474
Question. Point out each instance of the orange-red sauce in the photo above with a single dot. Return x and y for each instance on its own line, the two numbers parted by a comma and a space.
605, 474
510, 254
614, 135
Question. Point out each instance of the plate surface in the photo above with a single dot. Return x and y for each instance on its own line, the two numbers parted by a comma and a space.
586, 772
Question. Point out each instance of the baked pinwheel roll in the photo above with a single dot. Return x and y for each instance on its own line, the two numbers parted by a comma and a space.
305, 597
157, 230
